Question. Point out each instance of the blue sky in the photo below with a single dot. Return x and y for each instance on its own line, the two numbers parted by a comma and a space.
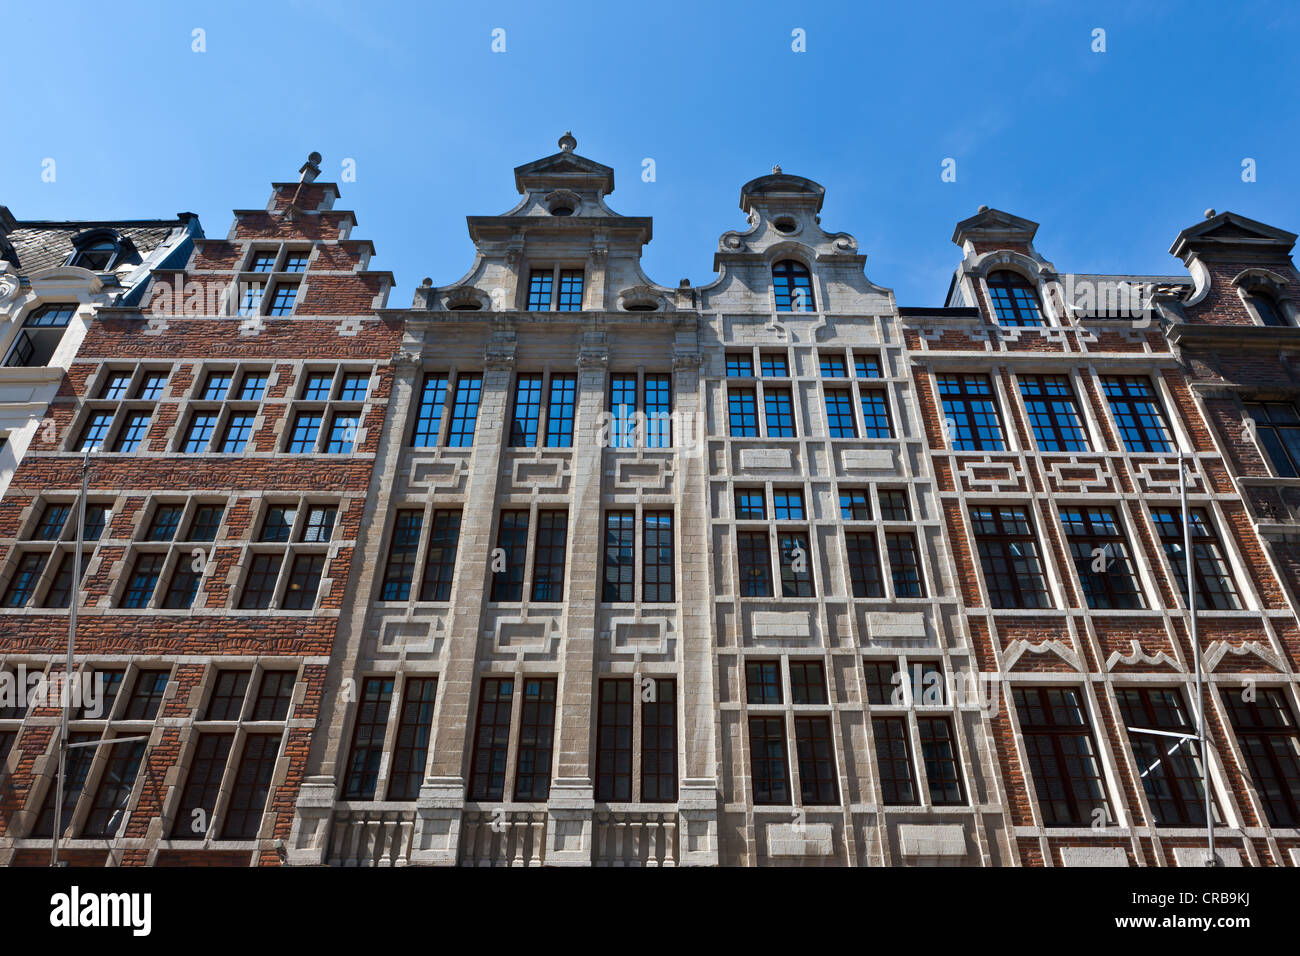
1113, 153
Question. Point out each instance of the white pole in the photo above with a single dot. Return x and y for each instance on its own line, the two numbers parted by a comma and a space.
1211, 860
74, 598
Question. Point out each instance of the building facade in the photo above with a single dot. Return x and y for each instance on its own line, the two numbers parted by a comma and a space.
563, 566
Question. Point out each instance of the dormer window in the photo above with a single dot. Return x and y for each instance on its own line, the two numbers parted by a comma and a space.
793, 286
1267, 308
555, 290
1015, 300
97, 251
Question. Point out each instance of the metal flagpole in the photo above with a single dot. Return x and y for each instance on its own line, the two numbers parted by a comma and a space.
74, 598
1211, 860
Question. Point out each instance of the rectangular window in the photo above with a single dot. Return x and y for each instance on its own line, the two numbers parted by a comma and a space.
253, 387
251, 302
659, 743
491, 739
262, 262
95, 433
78, 768
881, 685
151, 386
1138, 414
23, 584
1053, 413
778, 408
549, 555
771, 775
875, 414
353, 386
1215, 589
306, 427
295, 262
343, 435
807, 682
304, 582
1266, 732
428, 417
199, 436
53, 518
60, 591
620, 557
1013, 572
754, 552
657, 557
319, 526
855, 504
1277, 429
864, 564
216, 386
411, 749
1101, 558
116, 386
832, 366
787, 504
750, 504
166, 519
1062, 757
252, 784
796, 564
144, 578
464, 413
614, 742
282, 300
238, 430
147, 695
536, 737
96, 522
528, 411
275, 695
133, 432
199, 798
440, 562
739, 366
362, 777
114, 791
1170, 768
816, 753
623, 408
970, 413
227, 699
570, 297
512, 550
763, 682
839, 414
894, 757
773, 366
184, 585
742, 413
658, 410
939, 752
866, 366
278, 523
539, 290
904, 564
259, 588
559, 411
317, 386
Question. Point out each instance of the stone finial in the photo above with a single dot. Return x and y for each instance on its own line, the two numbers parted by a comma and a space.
309, 170
567, 142
1210, 214
427, 283
982, 208
776, 169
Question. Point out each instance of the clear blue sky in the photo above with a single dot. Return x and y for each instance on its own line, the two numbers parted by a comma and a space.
1112, 152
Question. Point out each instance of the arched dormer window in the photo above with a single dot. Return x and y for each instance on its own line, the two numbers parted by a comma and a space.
98, 251
1267, 308
793, 285
1015, 300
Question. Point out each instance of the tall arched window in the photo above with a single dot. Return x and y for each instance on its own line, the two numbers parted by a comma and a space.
793, 286
1015, 300
1270, 313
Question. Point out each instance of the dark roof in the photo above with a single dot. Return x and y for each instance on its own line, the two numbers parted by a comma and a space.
40, 245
